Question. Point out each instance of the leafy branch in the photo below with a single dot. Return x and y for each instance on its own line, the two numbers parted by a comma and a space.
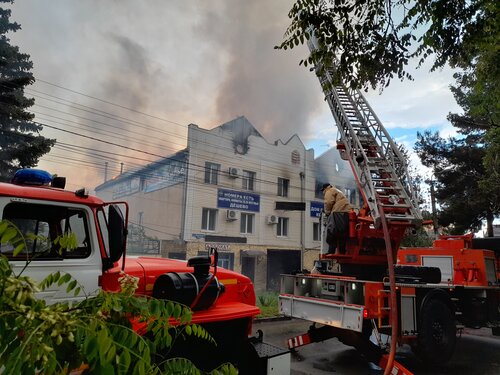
100, 332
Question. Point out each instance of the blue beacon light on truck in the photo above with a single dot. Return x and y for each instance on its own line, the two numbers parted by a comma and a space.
32, 177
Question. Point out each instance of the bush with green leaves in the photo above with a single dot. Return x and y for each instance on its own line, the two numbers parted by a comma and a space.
96, 332
268, 304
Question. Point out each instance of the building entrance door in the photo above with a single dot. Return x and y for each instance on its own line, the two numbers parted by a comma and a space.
278, 262
248, 267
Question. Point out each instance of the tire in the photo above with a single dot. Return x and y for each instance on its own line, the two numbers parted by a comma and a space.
437, 333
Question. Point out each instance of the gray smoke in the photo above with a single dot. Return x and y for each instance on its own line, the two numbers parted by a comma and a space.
264, 84
188, 62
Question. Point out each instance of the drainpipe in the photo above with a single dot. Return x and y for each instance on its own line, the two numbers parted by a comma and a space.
302, 219
184, 198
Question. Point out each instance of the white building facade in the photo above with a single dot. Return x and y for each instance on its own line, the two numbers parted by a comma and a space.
256, 202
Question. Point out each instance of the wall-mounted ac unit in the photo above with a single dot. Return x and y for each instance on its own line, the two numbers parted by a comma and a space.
233, 172
231, 215
272, 219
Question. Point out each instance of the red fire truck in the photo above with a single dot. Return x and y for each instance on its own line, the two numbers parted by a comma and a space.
419, 296
224, 303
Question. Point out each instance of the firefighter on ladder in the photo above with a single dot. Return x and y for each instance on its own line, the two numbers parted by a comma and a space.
336, 208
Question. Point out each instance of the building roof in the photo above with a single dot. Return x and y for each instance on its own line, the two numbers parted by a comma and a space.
179, 155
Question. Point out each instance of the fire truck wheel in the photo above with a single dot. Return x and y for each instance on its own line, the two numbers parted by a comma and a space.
437, 333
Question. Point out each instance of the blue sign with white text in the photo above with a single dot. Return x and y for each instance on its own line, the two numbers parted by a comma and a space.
237, 200
316, 208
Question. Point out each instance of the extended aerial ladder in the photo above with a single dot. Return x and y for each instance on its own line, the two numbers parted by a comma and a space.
380, 170
378, 165
390, 208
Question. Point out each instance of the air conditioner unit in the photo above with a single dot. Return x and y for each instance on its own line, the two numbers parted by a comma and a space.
233, 172
272, 219
231, 215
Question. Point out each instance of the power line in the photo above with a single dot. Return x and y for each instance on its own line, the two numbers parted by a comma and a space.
202, 168
100, 140
195, 167
136, 122
124, 107
108, 102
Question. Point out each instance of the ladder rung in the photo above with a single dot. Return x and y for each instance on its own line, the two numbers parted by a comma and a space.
400, 217
387, 205
384, 180
374, 168
387, 188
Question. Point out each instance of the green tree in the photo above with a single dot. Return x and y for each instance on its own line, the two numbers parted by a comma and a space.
458, 168
371, 42
20, 143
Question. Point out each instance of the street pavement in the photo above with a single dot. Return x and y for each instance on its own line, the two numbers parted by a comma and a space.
476, 353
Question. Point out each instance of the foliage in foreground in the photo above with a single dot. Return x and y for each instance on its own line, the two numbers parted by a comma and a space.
96, 331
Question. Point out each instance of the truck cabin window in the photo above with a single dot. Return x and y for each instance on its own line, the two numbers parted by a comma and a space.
41, 225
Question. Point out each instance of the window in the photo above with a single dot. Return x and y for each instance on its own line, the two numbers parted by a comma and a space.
282, 228
208, 219
211, 173
103, 226
246, 223
46, 223
350, 195
224, 260
248, 180
283, 187
316, 232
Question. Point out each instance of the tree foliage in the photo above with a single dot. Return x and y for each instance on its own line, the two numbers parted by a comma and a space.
20, 143
95, 334
458, 167
370, 42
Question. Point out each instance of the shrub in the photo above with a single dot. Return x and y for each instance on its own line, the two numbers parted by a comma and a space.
268, 304
97, 332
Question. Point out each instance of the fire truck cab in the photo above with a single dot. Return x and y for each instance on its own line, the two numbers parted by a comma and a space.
37, 204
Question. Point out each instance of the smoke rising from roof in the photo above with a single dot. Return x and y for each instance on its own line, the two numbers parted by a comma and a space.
204, 62
262, 83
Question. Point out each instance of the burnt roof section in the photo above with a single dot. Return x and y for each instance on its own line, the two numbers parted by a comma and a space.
241, 129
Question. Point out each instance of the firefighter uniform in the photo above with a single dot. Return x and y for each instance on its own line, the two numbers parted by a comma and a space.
336, 207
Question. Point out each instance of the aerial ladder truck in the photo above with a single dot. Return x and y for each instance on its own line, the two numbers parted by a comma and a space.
416, 296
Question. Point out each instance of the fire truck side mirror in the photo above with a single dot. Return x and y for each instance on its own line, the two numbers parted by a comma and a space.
117, 233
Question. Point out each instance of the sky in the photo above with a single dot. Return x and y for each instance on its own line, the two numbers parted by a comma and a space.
114, 77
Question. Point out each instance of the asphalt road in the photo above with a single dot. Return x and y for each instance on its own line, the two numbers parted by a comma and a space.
476, 353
